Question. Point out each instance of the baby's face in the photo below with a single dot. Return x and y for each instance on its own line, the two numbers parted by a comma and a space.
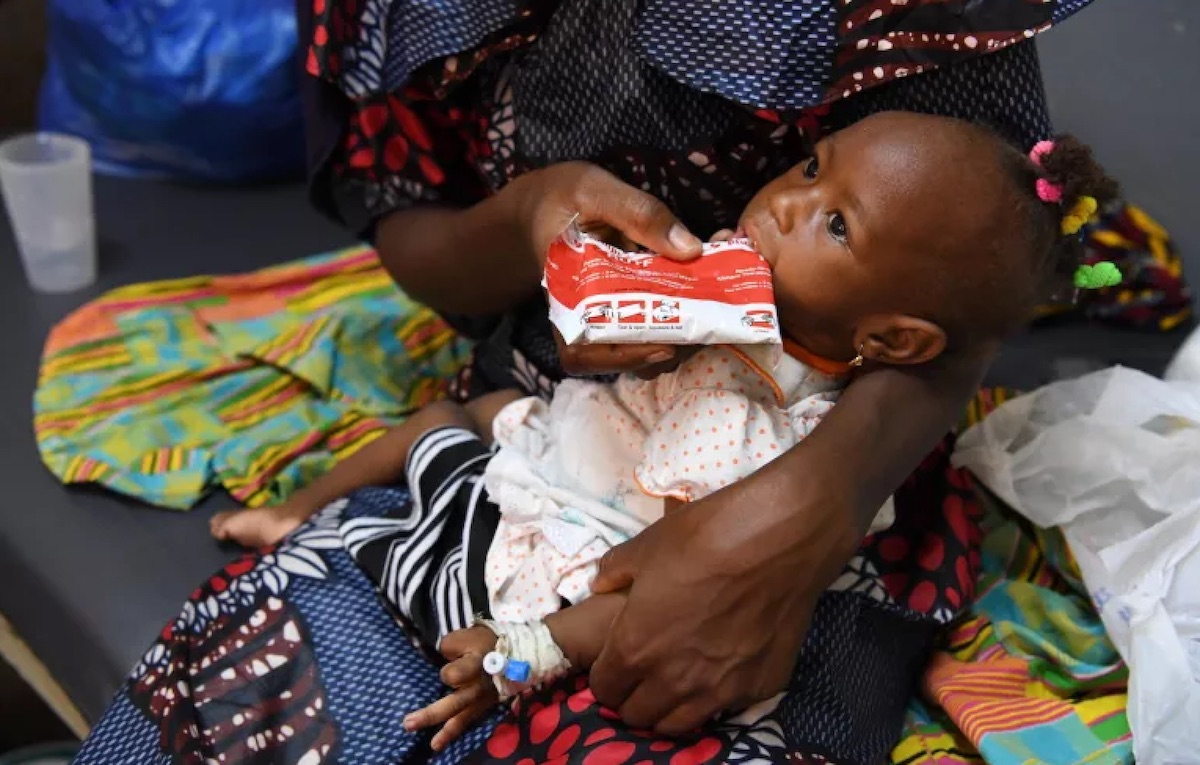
852, 231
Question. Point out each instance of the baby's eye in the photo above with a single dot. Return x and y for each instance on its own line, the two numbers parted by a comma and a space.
810, 168
836, 226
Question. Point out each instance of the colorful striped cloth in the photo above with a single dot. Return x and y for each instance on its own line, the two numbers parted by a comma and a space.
1027, 675
256, 383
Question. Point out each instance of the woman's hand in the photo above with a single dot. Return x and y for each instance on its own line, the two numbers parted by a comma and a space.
612, 210
722, 593
485, 259
548, 200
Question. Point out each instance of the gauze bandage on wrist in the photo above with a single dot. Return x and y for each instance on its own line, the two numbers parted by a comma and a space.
525, 656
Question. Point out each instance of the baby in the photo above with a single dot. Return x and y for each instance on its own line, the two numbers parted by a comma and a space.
904, 238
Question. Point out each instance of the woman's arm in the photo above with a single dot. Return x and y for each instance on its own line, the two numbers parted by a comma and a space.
468, 262
722, 591
885, 423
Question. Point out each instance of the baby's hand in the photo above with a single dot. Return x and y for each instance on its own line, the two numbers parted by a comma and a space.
474, 692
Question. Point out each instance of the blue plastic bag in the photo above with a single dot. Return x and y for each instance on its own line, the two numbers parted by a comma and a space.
189, 89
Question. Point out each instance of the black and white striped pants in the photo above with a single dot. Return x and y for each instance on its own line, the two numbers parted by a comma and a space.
427, 557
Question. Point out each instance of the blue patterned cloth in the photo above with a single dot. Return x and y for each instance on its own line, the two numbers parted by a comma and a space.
354, 668
290, 656
777, 55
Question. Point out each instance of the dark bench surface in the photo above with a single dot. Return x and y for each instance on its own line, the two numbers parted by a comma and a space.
87, 578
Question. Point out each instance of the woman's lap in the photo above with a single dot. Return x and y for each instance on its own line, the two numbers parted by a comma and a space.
293, 646
292, 654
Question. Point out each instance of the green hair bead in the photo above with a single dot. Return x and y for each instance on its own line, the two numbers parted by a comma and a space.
1097, 277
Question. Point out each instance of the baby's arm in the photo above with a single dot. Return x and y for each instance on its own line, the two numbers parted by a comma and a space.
579, 631
379, 463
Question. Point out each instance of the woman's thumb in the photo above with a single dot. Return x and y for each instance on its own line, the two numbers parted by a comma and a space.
641, 218
618, 568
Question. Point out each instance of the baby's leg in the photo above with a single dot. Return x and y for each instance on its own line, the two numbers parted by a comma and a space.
379, 462
579, 631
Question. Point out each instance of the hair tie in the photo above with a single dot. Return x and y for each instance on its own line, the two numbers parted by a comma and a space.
1039, 150
1047, 190
1098, 276
1085, 207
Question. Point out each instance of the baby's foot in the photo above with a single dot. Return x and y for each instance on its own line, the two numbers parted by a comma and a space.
474, 692
258, 526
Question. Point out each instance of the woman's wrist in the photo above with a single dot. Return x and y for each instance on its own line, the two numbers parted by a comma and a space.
473, 261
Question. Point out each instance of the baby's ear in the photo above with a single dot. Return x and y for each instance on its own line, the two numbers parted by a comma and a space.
899, 339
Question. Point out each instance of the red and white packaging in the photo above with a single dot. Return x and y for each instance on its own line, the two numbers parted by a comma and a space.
601, 294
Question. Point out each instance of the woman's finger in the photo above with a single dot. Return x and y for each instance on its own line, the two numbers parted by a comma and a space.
682, 354
688, 717
602, 197
618, 567
647, 705
610, 357
603, 359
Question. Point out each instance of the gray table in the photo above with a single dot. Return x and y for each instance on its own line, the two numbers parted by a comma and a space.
87, 578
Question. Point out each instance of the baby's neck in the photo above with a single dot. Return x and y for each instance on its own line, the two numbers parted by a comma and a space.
832, 345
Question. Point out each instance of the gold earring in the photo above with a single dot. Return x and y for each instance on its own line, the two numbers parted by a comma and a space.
858, 360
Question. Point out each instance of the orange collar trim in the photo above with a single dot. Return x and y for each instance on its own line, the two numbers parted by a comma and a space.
822, 365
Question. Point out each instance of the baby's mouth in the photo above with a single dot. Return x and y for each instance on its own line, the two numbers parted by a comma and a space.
747, 230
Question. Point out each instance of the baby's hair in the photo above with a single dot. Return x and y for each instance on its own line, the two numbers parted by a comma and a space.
1030, 249
1057, 246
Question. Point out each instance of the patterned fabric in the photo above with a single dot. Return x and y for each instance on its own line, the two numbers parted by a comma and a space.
255, 383
287, 656
854, 673
572, 88
283, 656
1027, 674
761, 54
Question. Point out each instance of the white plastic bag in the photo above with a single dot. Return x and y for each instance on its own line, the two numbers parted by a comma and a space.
1113, 458
1186, 364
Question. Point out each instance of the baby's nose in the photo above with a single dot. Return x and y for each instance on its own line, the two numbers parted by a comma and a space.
790, 204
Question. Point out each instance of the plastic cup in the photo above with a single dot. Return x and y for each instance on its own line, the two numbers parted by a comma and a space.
46, 180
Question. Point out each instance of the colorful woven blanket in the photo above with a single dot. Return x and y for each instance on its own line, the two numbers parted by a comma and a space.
1027, 675
255, 383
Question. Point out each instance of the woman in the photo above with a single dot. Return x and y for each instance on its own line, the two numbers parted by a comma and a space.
460, 137
664, 102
